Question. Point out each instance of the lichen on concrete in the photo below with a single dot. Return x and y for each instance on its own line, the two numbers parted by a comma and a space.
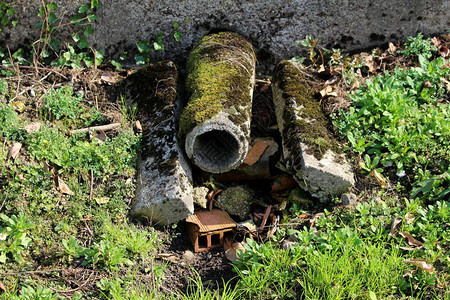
310, 151
164, 189
304, 119
221, 78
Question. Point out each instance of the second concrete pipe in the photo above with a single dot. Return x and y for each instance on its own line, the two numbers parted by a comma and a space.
216, 121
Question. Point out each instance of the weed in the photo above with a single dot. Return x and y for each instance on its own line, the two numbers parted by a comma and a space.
49, 46
73, 154
197, 291
6, 15
397, 120
61, 103
418, 46
40, 292
143, 58
13, 237
372, 269
9, 123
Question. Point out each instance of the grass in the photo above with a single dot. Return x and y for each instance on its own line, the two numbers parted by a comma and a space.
57, 243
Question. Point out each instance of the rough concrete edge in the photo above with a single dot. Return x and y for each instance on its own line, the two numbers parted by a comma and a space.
337, 176
179, 186
219, 122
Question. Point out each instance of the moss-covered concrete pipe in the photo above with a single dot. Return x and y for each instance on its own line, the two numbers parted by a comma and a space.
216, 121
164, 178
310, 151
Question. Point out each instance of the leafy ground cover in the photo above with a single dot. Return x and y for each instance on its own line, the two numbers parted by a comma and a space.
64, 225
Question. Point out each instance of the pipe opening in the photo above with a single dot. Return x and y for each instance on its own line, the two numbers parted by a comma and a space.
216, 150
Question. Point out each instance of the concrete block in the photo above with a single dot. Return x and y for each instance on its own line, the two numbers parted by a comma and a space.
310, 151
164, 185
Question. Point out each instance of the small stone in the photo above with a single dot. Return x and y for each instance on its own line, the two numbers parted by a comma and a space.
188, 256
236, 201
199, 196
349, 199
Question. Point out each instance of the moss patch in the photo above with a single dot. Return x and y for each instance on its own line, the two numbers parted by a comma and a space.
221, 69
152, 88
310, 128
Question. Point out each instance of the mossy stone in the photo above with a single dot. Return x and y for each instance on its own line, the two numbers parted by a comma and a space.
236, 200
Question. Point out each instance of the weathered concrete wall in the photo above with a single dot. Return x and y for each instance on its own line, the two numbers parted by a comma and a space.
273, 26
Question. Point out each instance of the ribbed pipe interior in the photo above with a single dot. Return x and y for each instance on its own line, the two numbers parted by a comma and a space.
216, 150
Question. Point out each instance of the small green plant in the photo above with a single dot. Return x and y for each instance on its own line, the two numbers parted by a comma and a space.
311, 43
77, 155
9, 122
13, 237
3, 89
143, 57
196, 291
418, 46
60, 53
177, 33
30, 293
117, 64
398, 121
61, 103
6, 15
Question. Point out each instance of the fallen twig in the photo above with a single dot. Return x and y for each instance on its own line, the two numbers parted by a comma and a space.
75, 289
30, 272
266, 215
95, 128
91, 184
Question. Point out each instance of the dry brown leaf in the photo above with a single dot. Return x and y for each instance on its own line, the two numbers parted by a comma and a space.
102, 200
370, 62
18, 106
14, 150
331, 80
33, 127
169, 257
2, 286
62, 186
231, 253
436, 42
48, 168
255, 153
321, 69
106, 77
394, 226
273, 229
410, 248
392, 48
411, 240
409, 218
326, 91
100, 136
381, 180
421, 264
444, 52
137, 126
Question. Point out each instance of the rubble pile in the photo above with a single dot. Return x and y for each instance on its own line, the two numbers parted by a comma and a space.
243, 171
